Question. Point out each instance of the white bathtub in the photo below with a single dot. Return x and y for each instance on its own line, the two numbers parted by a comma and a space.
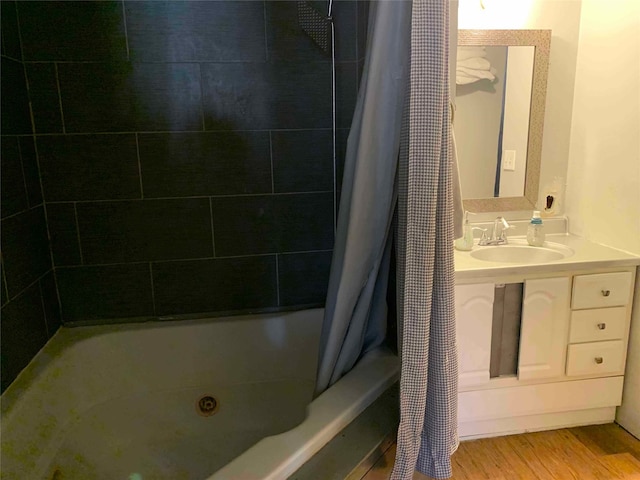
120, 402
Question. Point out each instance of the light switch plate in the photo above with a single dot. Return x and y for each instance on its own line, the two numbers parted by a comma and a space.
509, 160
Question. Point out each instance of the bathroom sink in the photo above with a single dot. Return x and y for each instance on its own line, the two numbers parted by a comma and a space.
520, 252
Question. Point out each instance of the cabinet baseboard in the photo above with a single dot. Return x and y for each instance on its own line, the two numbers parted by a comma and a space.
535, 423
542, 406
489, 404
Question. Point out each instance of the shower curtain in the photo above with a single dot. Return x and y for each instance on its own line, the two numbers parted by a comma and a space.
355, 310
427, 435
399, 154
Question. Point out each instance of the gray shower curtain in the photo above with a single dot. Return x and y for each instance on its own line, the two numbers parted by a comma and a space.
355, 311
399, 152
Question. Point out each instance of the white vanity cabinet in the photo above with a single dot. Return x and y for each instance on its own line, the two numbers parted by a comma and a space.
599, 304
474, 312
543, 333
574, 331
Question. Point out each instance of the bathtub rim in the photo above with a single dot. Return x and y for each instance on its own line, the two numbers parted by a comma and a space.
69, 336
328, 414
27, 413
279, 456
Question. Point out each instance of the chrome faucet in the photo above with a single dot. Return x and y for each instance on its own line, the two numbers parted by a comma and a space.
499, 234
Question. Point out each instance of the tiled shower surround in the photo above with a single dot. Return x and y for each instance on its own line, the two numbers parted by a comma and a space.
184, 151
30, 313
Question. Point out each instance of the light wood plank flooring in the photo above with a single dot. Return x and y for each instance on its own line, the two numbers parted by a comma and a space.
600, 452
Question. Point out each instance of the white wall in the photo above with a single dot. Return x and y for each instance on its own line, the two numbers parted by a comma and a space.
477, 126
562, 17
603, 191
603, 187
517, 109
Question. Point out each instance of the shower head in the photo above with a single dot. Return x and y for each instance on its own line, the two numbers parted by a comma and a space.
315, 25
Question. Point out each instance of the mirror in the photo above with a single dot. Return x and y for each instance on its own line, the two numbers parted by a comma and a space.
501, 80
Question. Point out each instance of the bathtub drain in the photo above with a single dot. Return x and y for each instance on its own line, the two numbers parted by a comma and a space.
207, 406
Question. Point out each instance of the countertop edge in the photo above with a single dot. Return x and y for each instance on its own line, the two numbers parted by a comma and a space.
511, 270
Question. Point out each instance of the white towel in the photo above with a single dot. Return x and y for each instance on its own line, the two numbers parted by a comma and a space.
471, 75
470, 52
472, 66
477, 63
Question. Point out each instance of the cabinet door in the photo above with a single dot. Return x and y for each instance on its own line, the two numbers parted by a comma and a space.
474, 313
543, 337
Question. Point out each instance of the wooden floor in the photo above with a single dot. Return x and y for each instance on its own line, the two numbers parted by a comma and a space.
599, 452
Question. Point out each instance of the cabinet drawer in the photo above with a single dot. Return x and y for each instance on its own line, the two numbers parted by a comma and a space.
601, 290
595, 358
598, 324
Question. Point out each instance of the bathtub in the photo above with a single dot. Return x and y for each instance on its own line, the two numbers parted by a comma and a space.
225, 398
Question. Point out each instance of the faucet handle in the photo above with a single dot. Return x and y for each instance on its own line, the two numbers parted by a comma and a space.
505, 224
483, 238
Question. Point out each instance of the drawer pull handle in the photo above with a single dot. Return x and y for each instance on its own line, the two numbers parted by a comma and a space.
602, 326
599, 360
606, 293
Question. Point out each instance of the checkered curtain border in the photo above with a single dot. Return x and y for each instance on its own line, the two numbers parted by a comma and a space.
427, 435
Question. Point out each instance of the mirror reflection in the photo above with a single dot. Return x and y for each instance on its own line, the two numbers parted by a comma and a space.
493, 99
499, 116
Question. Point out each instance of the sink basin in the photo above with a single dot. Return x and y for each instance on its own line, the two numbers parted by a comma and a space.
520, 252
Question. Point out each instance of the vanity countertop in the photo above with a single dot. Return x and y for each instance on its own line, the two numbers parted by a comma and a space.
587, 255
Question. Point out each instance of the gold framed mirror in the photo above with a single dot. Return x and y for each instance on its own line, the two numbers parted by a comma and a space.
499, 116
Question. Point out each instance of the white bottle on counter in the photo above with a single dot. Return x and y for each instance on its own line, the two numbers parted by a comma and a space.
465, 243
535, 232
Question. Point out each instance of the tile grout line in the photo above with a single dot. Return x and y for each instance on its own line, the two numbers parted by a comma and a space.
39, 170
64, 127
195, 259
55, 283
185, 62
139, 167
171, 132
266, 31
11, 299
273, 190
24, 180
153, 290
357, 30
126, 32
277, 282
4, 48
213, 236
231, 195
204, 126
28, 209
44, 309
75, 212
20, 36
10, 58
4, 277
46, 216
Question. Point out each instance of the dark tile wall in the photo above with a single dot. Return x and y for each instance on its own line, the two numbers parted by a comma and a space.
30, 313
185, 152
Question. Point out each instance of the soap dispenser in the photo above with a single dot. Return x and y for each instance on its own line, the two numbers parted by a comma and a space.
535, 232
465, 242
